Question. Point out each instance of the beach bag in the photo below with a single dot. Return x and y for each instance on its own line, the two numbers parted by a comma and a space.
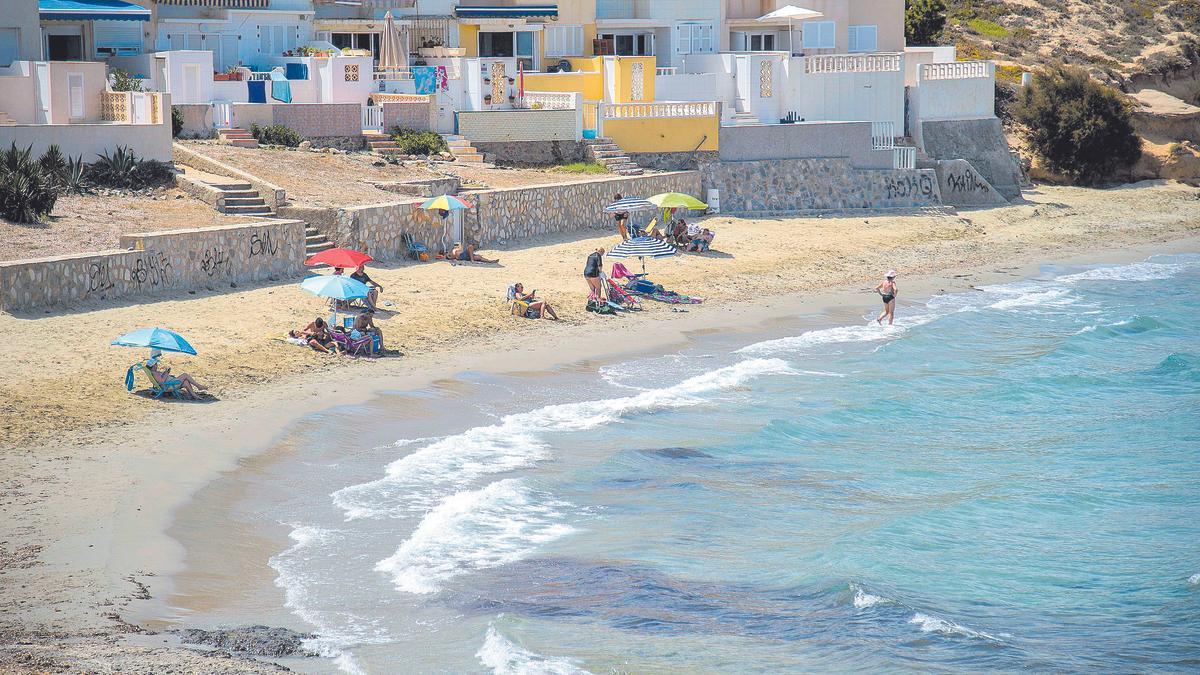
600, 307
644, 286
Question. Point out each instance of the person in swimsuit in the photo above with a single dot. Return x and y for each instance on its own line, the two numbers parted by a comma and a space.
591, 273
622, 220
467, 254
888, 290
360, 274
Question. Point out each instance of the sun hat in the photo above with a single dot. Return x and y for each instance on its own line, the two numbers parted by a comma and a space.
891, 274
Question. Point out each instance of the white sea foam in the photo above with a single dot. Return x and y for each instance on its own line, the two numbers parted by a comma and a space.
477, 529
933, 624
1019, 297
824, 336
1194, 579
864, 600
506, 658
1142, 271
420, 480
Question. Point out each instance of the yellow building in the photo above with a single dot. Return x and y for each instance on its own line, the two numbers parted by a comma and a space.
538, 34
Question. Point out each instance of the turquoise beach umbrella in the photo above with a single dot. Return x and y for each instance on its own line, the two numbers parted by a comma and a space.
335, 286
156, 338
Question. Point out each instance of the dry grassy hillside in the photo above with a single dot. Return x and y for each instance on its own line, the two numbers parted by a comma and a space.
1123, 41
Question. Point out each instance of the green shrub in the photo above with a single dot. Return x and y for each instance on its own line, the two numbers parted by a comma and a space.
176, 121
276, 134
1080, 127
414, 142
924, 21
988, 29
122, 169
27, 193
54, 165
123, 81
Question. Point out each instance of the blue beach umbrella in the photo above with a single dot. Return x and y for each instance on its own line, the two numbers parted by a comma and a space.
630, 204
156, 338
643, 247
335, 286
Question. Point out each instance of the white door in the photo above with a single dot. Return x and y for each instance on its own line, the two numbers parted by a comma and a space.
75, 95
140, 104
742, 78
191, 83
42, 69
610, 79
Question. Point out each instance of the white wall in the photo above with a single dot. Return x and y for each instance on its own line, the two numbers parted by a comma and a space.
968, 98
687, 87
870, 96
179, 63
915, 57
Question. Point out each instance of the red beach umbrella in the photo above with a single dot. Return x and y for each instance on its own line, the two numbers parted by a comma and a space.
339, 257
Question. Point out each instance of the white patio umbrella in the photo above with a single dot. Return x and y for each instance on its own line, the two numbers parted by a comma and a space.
790, 13
393, 55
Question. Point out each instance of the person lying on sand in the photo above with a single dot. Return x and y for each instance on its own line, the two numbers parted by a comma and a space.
316, 334
537, 309
162, 375
467, 254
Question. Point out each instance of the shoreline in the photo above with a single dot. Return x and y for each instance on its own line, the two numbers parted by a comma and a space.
113, 538
828, 309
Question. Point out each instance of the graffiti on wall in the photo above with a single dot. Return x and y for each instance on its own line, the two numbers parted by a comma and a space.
909, 186
965, 181
100, 277
152, 268
214, 259
261, 244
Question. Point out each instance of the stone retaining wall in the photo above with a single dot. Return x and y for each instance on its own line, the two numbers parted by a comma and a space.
498, 216
160, 261
532, 152
780, 186
272, 194
982, 143
674, 161
961, 185
421, 116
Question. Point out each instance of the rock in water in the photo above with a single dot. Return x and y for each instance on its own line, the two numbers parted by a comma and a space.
254, 640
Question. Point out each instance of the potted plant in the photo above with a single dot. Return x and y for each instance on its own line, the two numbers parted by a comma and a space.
231, 74
432, 47
487, 99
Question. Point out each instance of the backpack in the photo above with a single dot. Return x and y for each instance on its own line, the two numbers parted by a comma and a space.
600, 307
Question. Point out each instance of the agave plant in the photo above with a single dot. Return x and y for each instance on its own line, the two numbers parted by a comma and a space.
53, 164
115, 170
27, 193
74, 180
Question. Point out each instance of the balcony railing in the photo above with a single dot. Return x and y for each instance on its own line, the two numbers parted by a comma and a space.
382, 98
956, 70
551, 100
904, 158
666, 71
633, 111
851, 63
883, 135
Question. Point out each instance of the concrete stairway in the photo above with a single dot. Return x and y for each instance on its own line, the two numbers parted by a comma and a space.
462, 149
5, 120
380, 143
605, 151
314, 241
742, 119
237, 137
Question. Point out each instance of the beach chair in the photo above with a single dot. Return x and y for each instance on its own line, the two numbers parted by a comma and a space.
414, 248
619, 297
171, 386
364, 345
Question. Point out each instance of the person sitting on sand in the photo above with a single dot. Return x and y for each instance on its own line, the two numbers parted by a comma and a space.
316, 334
360, 275
536, 308
888, 290
679, 233
365, 324
163, 375
700, 241
653, 231
467, 254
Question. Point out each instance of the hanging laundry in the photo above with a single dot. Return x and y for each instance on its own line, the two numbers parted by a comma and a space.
425, 79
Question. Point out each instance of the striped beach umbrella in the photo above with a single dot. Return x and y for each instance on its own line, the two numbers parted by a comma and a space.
445, 203
643, 247
630, 204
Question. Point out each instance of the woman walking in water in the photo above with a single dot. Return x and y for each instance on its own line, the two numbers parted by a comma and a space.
888, 291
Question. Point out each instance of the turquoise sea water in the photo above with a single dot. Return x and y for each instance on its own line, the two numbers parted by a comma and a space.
1007, 479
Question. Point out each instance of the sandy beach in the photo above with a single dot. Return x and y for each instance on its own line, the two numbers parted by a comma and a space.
93, 475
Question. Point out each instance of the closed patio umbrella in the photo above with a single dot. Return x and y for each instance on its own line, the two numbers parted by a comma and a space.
393, 53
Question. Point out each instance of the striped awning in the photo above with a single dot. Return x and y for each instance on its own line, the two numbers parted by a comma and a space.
226, 4
91, 10
523, 12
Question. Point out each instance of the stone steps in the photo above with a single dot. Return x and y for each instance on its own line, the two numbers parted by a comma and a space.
607, 153
314, 241
247, 210
5, 120
462, 149
237, 137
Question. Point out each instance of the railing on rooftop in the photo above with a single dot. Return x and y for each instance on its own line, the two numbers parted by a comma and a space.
633, 111
382, 98
666, 71
956, 70
851, 63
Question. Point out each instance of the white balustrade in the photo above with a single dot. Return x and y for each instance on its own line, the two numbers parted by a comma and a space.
956, 70
453, 72
222, 114
551, 100
666, 71
632, 111
883, 135
852, 63
904, 158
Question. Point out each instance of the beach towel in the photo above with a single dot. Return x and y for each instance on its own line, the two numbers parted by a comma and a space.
443, 79
281, 90
425, 79
296, 71
256, 91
